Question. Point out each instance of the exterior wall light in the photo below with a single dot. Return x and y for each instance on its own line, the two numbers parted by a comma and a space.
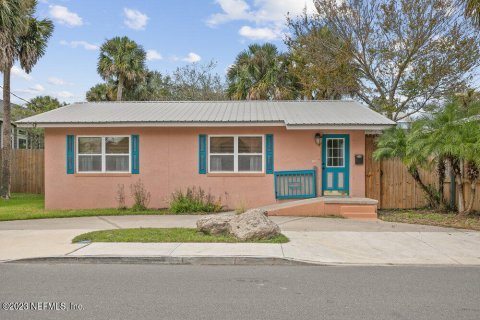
318, 139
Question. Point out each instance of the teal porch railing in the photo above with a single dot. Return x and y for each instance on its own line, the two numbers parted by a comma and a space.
298, 184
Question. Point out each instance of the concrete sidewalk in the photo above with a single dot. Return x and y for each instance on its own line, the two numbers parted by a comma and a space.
316, 240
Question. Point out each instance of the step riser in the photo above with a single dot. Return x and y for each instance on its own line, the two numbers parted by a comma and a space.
318, 209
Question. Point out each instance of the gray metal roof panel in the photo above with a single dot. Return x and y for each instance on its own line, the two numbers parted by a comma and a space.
295, 113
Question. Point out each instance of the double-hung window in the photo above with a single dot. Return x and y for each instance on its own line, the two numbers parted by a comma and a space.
238, 153
103, 154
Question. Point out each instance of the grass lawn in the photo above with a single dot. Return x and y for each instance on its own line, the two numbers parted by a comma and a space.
430, 217
163, 235
24, 206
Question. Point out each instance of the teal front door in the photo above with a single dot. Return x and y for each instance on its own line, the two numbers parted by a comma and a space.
335, 164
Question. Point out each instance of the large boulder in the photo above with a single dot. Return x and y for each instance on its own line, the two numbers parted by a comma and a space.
215, 223
253, 225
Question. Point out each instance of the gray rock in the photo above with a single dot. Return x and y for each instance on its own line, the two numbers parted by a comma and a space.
253, 225
215, 223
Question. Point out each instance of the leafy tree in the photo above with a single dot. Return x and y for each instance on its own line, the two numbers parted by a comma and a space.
472, 9
408, 54
261, 73
191, 82
154, 87
35, 106
322, 73
197, 82
123, 61
102, 92
22, 38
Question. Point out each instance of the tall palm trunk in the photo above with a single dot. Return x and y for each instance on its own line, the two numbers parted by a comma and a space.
120, 88
456, 164
7, 136
441, 170
473, 176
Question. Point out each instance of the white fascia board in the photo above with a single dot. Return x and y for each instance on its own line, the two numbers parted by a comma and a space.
151, 124
339, 127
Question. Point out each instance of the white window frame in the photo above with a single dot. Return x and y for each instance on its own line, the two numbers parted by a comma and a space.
326, 150
103, 154
236, 153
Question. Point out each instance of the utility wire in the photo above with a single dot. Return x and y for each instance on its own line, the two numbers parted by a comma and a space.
13, 94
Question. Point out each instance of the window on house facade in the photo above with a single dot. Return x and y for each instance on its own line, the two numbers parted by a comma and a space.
103, 154
236, 153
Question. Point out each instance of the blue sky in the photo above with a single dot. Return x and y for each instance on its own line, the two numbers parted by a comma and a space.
174, 33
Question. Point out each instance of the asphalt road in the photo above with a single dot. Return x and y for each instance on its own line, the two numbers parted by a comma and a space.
240, 292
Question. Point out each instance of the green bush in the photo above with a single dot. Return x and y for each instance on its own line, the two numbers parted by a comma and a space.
194, 200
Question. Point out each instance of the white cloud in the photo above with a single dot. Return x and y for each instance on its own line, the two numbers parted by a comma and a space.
63, 94
192, 57
134, 19
258, 33
34, 90
75, 44
269, 16
63, 16
262, 11
232, 10
18, 72
153, 55
56, 81
38, 88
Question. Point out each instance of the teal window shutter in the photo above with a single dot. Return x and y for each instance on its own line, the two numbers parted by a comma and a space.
70, 154
269, 153
135, 154
202, 154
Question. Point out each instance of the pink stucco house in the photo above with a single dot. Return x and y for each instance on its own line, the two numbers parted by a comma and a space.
251, 153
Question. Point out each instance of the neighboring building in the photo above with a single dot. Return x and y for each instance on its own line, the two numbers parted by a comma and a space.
21, 139
405, 122
250, 153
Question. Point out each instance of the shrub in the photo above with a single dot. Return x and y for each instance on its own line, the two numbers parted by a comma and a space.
121, 197
141, 197
194, 200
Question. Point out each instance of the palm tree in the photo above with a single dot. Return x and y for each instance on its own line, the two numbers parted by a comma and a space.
123, 60
472, 9
394, 144
260, 73
101, 92
22, 38
454, 136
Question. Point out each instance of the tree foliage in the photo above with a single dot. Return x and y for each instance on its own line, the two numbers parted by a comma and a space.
322, 71
121, 60
190, 82
197, 82
261, 73
408, 54
450, 135
472, 10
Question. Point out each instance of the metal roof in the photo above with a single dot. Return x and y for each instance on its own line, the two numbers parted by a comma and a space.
185, 113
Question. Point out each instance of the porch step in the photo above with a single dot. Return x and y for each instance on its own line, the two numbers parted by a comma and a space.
353, 208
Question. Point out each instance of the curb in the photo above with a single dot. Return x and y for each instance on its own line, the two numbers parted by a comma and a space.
168, 260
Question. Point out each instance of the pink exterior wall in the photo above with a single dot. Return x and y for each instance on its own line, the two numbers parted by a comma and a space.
169, 161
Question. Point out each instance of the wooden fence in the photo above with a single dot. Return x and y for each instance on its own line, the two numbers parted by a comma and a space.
389, 182
28, 170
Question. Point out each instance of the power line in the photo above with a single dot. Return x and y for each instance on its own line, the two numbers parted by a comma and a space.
13, 94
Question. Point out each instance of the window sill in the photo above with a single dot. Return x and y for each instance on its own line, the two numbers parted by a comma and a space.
236, 174
102, 174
